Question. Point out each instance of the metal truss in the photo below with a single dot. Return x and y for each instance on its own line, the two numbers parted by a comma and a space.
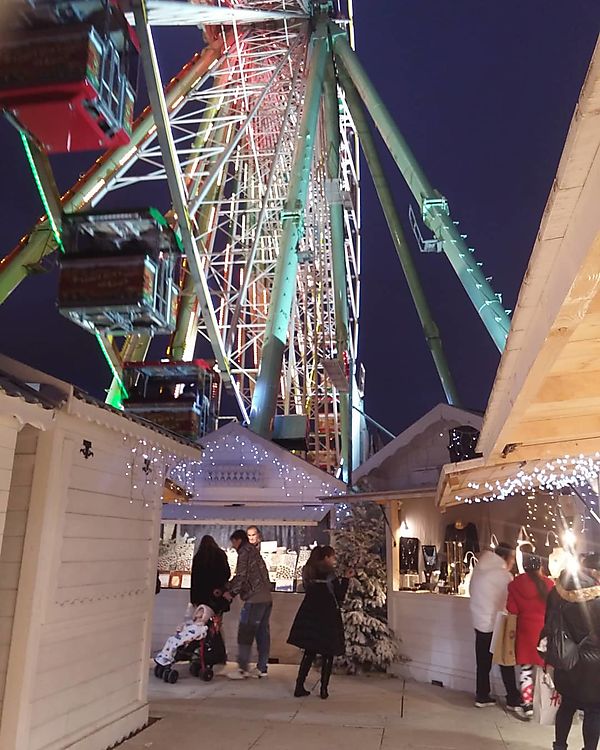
234, 129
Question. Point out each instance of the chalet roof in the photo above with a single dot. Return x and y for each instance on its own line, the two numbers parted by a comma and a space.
32, 393
39, 394
329, 485
440, 413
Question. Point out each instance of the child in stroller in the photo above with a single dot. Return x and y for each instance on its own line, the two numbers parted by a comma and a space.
198, 642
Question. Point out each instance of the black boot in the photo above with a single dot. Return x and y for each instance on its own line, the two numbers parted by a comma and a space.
326, 668
303, 670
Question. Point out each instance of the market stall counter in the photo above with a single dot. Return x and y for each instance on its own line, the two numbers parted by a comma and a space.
170, 606
438, 639
286, 534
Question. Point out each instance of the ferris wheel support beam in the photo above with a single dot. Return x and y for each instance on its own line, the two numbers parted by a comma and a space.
241, 300
338, 257
134, 349
183, 340
233, 144
434, 207
264, 399
430, 329
178, 197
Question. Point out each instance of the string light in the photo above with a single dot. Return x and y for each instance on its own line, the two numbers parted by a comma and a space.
566, 472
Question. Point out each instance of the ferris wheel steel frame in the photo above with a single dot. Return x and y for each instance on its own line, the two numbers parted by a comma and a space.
257, 139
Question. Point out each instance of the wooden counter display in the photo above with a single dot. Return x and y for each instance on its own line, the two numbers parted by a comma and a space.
169, 611
436, 634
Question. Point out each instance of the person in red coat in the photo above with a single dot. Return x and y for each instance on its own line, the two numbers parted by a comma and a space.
527, 596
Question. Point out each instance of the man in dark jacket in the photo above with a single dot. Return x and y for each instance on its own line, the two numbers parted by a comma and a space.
577, 595
251, 582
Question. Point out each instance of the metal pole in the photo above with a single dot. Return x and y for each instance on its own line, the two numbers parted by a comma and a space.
374, 422
434, 207
178, 197
264, 399
349, 454
432, 334
338, 254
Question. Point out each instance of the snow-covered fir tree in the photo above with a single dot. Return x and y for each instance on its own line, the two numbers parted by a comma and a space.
360, 546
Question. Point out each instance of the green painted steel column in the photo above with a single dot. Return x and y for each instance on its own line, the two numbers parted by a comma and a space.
134, 349
264, 399
338, 255
430, 329
434, 206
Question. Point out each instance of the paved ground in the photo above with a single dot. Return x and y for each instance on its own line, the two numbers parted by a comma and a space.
362, 713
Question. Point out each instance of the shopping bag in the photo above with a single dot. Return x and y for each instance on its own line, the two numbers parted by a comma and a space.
498, 634
545, 698
504, 653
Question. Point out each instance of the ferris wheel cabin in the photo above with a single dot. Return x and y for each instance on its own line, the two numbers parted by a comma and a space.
118, 272
181, 397
64, 74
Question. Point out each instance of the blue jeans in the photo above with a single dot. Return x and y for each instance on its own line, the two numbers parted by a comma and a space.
254, 625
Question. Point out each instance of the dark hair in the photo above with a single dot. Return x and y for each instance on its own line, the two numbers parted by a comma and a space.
532, 565
206, 551
240, 536
258, 531
314, 567
504, 550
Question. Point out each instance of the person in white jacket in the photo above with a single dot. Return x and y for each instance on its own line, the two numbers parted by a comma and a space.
488, 591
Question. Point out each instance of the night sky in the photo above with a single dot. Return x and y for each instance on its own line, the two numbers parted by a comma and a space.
484, 93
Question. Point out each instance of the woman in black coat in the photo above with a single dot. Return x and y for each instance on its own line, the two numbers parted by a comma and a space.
578, 597
318, 626
210, 574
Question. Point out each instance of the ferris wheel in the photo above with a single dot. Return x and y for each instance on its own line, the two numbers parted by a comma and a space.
253, 260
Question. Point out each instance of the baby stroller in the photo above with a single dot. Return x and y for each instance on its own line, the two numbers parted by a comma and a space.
203, 653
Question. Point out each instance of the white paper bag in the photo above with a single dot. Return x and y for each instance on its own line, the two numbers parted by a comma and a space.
498, 634
545, 698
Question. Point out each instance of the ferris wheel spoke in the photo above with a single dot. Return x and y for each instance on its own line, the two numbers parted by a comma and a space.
186, 13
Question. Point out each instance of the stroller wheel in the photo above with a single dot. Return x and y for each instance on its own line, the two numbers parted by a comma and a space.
208, 674
195, 669
159, 670
173, 676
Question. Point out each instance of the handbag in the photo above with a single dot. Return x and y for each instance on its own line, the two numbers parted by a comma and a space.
556, 645
504, 653
546, 699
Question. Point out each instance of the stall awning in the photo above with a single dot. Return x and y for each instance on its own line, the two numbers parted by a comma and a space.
546, 401
383, 497
478, 481
245, 515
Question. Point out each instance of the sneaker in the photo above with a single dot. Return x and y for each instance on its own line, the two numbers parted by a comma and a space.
528, 711
257, 674
515, 709
238, 674
486, 703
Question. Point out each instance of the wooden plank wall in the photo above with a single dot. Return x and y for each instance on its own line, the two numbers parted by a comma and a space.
93, 662
19, 476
